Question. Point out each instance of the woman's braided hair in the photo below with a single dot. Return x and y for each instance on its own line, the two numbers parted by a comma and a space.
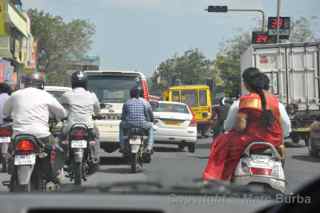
257, 82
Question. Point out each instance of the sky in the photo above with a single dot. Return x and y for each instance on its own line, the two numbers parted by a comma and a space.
140, 34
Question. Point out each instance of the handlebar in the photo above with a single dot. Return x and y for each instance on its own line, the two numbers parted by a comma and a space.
8, 120
98, 117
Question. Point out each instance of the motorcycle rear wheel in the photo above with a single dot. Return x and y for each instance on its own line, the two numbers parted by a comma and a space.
77, 172
134, 161
4, 165
15, 186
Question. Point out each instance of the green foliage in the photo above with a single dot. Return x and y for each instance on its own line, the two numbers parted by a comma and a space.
190, 68
59, 41
302, 29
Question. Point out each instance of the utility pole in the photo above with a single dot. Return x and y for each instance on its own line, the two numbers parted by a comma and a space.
278, 20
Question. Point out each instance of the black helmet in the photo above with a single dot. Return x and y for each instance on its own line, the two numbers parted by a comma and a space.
79, 79
135, 92
5, 88
35, 80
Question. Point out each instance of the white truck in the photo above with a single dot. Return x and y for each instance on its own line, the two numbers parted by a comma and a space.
112, 88
293, 69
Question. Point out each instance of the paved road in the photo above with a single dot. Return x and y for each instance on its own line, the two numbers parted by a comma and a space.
172, 166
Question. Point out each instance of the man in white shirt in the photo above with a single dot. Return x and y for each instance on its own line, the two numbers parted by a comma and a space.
29, 108
81, 105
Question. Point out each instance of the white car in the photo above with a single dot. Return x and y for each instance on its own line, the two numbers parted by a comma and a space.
174, 124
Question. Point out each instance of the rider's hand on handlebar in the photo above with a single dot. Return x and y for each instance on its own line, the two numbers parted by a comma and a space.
98, 117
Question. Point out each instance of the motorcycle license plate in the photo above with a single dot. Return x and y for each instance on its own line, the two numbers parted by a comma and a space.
5, 139
25, 159
135, 141
79, 144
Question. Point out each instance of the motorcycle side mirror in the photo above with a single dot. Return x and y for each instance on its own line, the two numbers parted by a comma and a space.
102, 106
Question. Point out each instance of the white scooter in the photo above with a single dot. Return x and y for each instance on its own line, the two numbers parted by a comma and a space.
261, 168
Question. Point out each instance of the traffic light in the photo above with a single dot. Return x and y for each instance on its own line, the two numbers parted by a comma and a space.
217, 9
262, 38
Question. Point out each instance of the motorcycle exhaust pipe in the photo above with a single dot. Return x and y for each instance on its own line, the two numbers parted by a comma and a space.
24, 174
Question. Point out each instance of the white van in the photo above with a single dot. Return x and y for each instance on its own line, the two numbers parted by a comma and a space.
113, 90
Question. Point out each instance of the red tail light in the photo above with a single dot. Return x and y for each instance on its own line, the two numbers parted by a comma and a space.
193, 121
145, 89
260, 171
53, 154
5, 132
78, 134
25, 146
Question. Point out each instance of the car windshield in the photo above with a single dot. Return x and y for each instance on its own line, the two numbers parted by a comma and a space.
112, 89
179, 132
166, 107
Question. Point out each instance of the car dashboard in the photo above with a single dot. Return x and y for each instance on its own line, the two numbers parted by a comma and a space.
87, 202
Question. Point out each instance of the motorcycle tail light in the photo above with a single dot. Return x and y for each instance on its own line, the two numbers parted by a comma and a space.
65, 142
260, 171
25, 146
5, 132
92, 142
53, 154
78, 134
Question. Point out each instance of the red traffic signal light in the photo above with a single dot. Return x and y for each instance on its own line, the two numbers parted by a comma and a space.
262, 38
217, 9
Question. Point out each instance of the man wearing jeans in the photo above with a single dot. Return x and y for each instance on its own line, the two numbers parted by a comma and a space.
135, 114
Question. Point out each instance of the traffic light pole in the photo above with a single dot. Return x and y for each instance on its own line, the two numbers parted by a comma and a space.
278, 19
252, 10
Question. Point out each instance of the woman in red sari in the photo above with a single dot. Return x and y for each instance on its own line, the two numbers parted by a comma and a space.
258, 119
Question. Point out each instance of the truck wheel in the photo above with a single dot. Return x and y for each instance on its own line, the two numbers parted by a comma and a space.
192, 147
295, 138
312, 152
181, 147
306, 140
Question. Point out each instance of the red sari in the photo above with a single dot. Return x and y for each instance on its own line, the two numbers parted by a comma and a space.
227, 149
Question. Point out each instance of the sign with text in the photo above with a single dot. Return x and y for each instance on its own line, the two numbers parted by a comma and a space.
284, 27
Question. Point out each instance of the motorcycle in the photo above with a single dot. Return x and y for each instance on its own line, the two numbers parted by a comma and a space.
34, 165
136, 146
262, 168
79, 153
5, 139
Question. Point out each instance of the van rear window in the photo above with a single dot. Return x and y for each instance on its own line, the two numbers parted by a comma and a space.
189, 97
113, 89
203, 98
